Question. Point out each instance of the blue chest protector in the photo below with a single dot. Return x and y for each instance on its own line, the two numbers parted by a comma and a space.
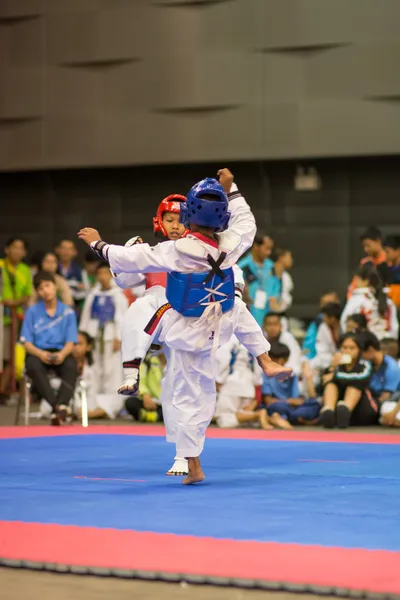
190, 293
103, 309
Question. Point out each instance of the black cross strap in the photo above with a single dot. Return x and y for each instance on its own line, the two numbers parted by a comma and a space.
215, 267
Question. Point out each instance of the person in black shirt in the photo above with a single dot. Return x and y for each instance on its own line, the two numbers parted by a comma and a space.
346, 398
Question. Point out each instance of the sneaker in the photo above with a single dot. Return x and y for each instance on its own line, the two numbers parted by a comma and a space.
327, 418
343, 415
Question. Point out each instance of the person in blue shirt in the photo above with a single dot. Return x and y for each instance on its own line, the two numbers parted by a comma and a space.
49, 334
385, 380
283, 398
257, 272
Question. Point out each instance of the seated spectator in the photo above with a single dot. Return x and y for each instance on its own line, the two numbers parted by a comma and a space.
147, 406
100, 406
256, 266
392, 249
282, 398
346, 398
356, 323
283, 264
385, 380
66, 252
371, 241
16, 291
310, 339
101, 318
274, 333
328, 336
370, 300
237, 379
50, 265
390, 409
49, 333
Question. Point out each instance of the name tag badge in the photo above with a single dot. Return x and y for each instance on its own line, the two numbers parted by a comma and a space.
260, 299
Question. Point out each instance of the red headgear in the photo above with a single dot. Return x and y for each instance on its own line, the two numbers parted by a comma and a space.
172, 204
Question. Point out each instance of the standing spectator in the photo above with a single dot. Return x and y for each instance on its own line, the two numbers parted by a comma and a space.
16, 293
66, 252
370, 300
328, 336
371, 241
392, 248
283, 264
310, 339
49, 333
346, 399
50, 265
274, 333
90, 264
102, 316
385, 378
257, 267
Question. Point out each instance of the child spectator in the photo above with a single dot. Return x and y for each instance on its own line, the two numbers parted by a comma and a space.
371, 241
238, 377
283, 264
385, 378
346, 400
355, 323
147, 406
274, 333
49, 333
370, 300
257, 267
49, 264
66, 252
90, 264
16, 291
283, 397
392, 249
310, 339
327, 336
102, 318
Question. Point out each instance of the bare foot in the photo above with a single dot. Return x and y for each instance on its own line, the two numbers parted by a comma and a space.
272, 369
264, 420
195, 474
280, 422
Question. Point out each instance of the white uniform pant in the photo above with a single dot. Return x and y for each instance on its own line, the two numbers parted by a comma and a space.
136, 341
107, 378
189, 392
228, 405
389, 405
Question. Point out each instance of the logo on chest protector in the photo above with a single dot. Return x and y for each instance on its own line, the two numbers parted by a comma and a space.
211, 338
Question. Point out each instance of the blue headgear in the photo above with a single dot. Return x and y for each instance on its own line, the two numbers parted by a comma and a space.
206, 213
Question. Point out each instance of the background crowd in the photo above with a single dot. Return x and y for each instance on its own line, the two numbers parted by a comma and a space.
62, 324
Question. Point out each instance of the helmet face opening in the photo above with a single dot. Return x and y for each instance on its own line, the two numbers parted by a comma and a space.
172, 203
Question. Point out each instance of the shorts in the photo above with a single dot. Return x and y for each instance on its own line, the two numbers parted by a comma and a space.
389, 405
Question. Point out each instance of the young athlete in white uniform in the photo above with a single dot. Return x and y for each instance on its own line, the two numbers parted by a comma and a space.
201, 313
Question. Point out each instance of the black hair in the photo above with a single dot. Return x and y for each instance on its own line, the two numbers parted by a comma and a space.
370, 274
260, 237
278, 351
372, 233
272, 314
90, 342
91, 257
11, 240
352, 335
103, 265
43, 276
37, 258
360, 320
277, 253
368, 340
332, 309
392, 241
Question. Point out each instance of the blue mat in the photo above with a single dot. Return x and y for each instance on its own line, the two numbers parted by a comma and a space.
255, 490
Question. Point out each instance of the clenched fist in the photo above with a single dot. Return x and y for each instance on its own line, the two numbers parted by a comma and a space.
89, 235
225, 179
